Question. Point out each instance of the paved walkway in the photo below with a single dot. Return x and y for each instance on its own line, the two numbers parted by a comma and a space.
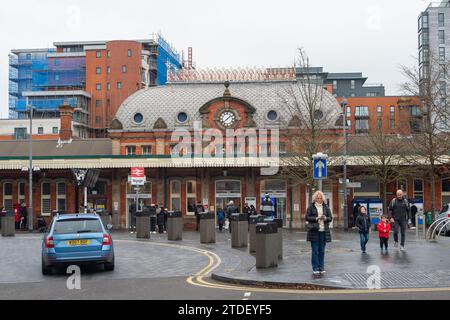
422, 265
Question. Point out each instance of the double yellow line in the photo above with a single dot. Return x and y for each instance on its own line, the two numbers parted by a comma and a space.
214, 262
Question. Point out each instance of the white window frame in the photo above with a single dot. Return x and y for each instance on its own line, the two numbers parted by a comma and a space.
405, 192
61, 197
8, 197
19, 196
191, 196
130, 154
175, 195
46, 197
414, 188
147, 153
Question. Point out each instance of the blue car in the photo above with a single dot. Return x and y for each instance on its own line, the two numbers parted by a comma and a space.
77, 239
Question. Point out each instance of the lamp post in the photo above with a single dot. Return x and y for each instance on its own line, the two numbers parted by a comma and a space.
344, 183
30, 170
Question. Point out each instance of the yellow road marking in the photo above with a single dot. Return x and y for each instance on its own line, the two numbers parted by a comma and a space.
197, 279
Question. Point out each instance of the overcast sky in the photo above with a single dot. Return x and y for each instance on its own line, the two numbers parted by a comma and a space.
369, 36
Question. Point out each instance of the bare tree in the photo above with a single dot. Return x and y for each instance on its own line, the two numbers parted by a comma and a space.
430, 144
382, 158
309, 128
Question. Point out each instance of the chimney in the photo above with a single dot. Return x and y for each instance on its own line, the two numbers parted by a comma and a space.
66, 115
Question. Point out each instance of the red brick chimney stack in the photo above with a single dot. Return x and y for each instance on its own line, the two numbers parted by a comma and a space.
66, 115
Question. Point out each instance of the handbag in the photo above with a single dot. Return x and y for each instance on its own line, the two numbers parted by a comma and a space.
312, 226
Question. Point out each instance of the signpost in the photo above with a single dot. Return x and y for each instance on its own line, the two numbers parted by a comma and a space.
320, 168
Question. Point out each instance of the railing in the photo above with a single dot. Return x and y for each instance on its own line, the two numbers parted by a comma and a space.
432, 234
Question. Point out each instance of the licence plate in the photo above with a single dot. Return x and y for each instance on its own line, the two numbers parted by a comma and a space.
78, 242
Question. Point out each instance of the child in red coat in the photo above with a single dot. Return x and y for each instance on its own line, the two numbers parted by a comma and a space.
384, 227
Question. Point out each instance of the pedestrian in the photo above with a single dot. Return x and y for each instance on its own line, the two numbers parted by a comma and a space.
230, 210
23, 217
252, 211
413, 215
132, 209
363, 225
318, 217
384, 227
220, 218
198, 210
160, 219
355, 214
17, 219
399, 214
246, 210
166, 217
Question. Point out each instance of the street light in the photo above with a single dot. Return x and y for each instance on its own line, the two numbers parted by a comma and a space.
30, 169
344, 184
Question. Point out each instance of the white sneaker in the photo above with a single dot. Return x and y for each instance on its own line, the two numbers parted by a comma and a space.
402, 248
412, 228
395, 244
322, 272
316, 272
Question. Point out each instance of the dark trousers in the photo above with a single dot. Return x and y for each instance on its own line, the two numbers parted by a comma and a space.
229, 225
220, 226
318, 252
363, 239
402, 226
384, 242
413, 219
160, 228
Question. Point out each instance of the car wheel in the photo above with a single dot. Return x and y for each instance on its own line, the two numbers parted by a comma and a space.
109, 266
46, 270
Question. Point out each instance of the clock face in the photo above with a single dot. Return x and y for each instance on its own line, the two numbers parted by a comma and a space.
227, 119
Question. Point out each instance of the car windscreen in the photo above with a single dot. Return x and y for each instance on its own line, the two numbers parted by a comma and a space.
84, 225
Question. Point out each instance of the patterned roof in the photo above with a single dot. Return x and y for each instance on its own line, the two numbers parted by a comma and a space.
167, 101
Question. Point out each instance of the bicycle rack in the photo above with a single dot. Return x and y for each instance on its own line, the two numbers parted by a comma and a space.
431, 233
442, 228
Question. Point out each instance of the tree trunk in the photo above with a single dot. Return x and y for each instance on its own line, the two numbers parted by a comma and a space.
385, 202
433, 192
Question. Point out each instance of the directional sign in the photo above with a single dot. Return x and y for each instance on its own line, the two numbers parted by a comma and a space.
320, 169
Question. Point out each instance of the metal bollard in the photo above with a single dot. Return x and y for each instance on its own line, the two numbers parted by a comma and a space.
252, 231
207, 227
279, 223
266, 246
143, 224
8, 225
239, 230
174, 226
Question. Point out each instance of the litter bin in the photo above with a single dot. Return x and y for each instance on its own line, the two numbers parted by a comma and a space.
279, 223
252, 231
207, 227
239, 230
174, 226
143, 224
8, 224
266, 245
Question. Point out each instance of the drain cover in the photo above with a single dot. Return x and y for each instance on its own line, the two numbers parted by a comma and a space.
401, 279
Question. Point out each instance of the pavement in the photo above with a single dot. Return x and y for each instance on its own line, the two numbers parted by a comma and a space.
421, 265
162, 269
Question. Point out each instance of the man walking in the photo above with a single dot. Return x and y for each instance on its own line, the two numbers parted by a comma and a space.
230, 210
399, 215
